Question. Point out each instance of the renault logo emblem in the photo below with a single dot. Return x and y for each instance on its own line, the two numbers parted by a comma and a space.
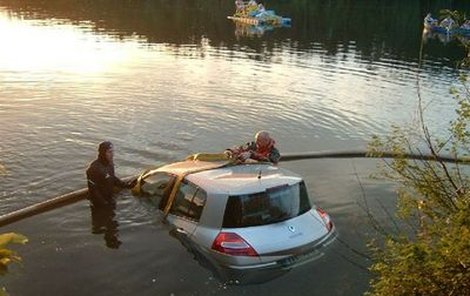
291, 228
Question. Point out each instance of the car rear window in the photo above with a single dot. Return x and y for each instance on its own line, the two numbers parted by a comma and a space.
270, 206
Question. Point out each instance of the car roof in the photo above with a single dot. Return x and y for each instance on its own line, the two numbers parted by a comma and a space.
224, 177
190, 166
243, 178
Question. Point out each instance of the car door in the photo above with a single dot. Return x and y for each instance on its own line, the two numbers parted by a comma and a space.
187, 207
157, 187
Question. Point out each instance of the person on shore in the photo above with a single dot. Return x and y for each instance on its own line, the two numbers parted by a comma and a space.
430, 21
101, 178
466, 25
251, 8
262, 149
252, 3
448, 23
240, 5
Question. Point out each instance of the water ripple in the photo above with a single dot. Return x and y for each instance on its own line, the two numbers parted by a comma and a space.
159, 102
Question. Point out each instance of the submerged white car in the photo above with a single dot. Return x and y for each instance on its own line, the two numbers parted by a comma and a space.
246, 220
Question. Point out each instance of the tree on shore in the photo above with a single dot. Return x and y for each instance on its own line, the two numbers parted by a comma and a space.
431, 253
8, 256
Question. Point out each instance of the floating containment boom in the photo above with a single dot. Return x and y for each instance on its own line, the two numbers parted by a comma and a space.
81, 194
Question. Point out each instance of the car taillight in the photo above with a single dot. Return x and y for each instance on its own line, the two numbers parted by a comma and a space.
232, 244
326, 218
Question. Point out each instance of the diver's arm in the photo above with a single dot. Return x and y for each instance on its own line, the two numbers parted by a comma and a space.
121, 184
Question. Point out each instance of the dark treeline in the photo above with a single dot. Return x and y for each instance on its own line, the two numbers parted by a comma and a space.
376, 29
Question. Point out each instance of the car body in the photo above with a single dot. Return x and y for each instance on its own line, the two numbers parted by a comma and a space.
249, 218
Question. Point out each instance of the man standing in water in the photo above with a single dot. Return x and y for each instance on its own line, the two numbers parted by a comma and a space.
101, 183
101, 178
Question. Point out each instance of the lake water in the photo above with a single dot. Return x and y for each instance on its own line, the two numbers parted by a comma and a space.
164, 79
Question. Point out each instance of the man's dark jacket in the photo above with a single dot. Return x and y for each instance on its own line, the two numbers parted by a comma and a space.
102, 181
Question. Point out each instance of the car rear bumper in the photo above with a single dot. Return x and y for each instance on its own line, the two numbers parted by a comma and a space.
259, 273
308, 253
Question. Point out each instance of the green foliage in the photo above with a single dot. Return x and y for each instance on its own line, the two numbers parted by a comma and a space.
436, 262
8, 256
454, 14
431, 255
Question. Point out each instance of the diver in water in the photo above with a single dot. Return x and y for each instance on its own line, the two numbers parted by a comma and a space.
101, 178
101, 183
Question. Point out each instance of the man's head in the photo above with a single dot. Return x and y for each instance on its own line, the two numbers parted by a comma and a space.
262, 139
105, 151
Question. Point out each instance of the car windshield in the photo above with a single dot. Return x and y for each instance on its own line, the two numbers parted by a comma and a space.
270, 206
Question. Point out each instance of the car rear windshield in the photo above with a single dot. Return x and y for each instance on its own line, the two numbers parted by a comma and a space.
270, 206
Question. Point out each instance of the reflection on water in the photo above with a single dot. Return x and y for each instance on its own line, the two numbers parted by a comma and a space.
60, 48
224, 275
445, 38
392, 25
103, 221
246, 30
204, 261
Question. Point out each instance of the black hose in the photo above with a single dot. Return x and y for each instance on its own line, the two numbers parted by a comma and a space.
366, 154
43, 206
47, 205
78, 195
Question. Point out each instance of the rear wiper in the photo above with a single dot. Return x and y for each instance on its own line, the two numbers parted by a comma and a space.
281, 217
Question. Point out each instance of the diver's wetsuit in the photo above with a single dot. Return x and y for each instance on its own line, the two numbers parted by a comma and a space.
101, 182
